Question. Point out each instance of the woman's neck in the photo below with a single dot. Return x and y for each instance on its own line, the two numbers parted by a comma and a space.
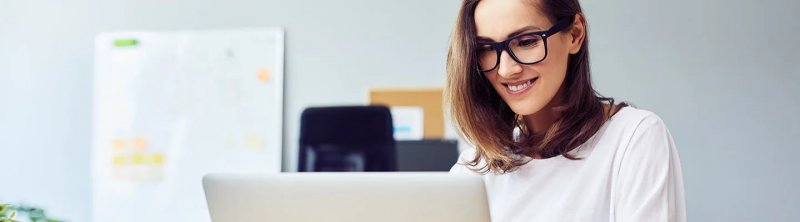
539, 122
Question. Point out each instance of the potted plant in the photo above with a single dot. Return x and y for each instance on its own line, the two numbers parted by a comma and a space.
8, 213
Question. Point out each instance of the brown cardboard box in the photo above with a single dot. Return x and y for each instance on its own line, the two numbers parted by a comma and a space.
430, 99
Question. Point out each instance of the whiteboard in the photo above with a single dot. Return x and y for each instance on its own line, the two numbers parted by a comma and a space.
171, 106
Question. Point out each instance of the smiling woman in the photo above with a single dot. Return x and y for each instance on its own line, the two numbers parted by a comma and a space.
548, 146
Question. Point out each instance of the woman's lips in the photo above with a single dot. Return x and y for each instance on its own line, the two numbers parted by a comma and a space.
519, 87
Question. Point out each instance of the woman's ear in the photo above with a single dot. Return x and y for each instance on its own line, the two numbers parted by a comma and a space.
577, 32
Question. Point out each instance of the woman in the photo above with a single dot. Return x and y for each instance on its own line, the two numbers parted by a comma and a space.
548, 146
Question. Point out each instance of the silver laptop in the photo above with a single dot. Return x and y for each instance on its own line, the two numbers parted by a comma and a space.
352, 197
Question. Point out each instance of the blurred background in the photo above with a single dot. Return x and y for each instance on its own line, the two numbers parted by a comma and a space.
721, 73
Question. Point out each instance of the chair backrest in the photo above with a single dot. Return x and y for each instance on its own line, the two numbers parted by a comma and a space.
347, 138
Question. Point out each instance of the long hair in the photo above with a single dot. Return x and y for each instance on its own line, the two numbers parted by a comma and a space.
486, 121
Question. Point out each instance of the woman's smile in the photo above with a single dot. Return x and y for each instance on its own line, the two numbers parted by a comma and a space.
519, 87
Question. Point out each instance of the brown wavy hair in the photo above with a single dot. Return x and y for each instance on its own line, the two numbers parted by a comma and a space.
485, 120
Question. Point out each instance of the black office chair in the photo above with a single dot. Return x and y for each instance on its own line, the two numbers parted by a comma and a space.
347, 138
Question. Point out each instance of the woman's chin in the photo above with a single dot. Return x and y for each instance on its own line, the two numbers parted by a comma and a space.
524, 109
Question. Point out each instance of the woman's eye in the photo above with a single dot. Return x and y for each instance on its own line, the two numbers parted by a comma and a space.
484, 48
528, 42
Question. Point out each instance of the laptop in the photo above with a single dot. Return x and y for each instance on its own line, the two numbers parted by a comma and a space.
352, 197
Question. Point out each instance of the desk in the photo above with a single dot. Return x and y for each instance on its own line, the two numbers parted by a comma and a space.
426, 155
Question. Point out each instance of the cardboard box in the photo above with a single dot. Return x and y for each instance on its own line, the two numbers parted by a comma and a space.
430, 99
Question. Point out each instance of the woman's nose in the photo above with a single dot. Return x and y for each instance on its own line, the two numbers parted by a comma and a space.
508, 68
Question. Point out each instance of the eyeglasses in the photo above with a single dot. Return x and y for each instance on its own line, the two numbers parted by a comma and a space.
528, 48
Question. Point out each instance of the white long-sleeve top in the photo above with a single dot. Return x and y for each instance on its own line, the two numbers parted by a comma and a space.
629, 171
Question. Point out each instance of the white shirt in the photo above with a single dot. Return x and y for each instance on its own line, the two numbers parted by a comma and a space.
630, 171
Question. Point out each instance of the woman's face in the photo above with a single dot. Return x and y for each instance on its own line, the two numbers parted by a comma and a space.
527, 89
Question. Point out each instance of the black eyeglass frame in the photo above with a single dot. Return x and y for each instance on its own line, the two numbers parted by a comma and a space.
499, 47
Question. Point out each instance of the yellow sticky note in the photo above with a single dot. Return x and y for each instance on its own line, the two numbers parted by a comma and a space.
253, 141
139, 143
157, 158
139, 158
118, 143
264, 75
118, 161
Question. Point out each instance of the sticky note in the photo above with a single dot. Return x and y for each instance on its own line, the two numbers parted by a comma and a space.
125, 42
118, 144
139, 158
253, 141
118, 160
264, 75
139, 143
157, 158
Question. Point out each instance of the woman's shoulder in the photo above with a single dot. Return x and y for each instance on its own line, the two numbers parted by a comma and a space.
631, 120
464, 165
630, 113
640, 133
464, 158
629, 126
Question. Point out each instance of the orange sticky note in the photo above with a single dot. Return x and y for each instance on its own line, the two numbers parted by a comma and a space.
263, 75
118, 144
139, 143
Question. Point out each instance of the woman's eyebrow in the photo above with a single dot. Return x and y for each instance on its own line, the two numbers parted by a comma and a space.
517, 32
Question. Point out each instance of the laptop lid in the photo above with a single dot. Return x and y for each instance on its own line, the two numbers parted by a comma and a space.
351, 197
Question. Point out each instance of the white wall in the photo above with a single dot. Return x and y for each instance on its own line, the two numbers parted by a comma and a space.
721, 73
45, 103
